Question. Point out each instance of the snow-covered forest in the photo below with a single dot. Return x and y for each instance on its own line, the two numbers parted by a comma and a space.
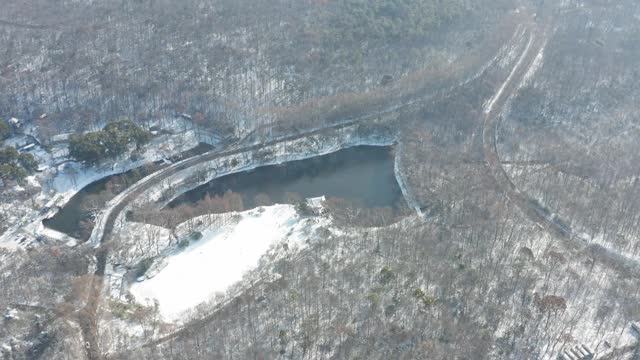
140, 142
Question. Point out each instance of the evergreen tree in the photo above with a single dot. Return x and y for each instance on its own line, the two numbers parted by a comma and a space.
5, 131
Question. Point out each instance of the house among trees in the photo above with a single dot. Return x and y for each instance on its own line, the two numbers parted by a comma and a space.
60, 138
580, 352
26, 147
15, 123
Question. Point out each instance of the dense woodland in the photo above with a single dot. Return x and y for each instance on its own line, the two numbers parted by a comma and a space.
14, 166
237, 64
110, 142
356, 21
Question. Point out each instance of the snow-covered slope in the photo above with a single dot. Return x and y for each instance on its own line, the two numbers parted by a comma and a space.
221, 258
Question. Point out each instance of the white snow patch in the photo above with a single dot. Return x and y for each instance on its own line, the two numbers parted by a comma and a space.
11, 314
220, 259
497, 96
31, 180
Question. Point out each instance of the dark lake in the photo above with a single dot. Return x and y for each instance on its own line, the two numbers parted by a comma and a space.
364, 175
76, 217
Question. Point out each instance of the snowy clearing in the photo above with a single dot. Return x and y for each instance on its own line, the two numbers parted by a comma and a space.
221, 258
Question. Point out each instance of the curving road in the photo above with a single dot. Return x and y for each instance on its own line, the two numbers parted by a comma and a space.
534, 211
26, 26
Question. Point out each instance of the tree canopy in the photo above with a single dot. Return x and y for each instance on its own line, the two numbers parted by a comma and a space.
15, 166
361, 20
110, 142
5, 131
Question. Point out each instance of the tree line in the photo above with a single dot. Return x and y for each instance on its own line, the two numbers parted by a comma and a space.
110, 142
365, 20
13, 165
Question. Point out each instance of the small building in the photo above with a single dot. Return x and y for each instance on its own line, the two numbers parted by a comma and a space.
10, 314
26, 147
15, 123
579, 352
55, 139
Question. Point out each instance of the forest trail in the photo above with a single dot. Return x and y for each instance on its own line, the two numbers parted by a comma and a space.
493, 111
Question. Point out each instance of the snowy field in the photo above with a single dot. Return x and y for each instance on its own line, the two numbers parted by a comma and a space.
221, 258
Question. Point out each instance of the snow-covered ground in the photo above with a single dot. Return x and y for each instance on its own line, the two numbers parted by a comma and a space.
75, 176
221, 258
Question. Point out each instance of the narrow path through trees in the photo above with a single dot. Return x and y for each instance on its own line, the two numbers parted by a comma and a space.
536, 212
